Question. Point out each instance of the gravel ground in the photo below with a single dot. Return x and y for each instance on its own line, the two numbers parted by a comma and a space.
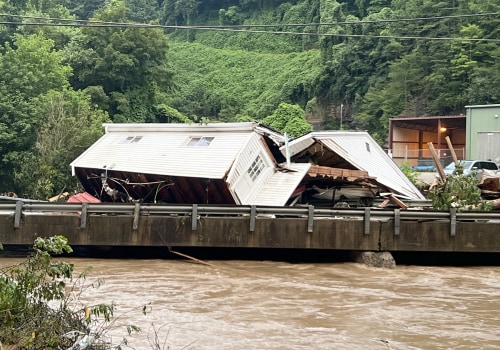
427, 177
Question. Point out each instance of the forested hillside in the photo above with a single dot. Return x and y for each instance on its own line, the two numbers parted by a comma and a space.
67, 66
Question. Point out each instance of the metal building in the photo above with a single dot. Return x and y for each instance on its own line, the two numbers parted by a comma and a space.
483, 132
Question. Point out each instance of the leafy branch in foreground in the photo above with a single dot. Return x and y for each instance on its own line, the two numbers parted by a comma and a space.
38, 309
459, 191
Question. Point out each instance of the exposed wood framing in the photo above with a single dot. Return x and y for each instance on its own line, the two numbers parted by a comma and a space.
336, 173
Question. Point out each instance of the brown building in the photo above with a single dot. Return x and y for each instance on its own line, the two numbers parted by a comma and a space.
408, 138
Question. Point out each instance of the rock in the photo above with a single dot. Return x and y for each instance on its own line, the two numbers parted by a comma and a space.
375, 259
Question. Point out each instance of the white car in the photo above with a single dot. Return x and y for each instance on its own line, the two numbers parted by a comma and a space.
471, 165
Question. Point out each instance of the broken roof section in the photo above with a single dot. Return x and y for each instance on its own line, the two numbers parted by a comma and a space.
355, 158
230, 163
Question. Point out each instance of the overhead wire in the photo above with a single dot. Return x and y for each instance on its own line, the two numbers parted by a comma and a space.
69, 22
268, 25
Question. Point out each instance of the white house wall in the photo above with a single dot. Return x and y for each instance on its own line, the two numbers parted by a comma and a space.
239, 180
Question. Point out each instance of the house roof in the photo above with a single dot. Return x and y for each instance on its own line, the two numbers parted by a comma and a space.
362, 152
190, 150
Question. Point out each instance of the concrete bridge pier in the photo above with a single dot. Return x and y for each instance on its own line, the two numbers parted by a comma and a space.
375, 259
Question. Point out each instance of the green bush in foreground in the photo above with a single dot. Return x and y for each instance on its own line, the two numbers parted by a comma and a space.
38, 309
459, 191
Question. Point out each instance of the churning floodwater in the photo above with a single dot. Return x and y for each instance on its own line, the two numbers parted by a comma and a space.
237, 304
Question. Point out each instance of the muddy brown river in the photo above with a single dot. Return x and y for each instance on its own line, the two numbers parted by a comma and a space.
277, 305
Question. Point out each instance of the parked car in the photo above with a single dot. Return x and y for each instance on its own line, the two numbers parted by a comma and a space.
472, 165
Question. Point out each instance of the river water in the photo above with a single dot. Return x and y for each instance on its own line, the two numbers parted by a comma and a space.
238, 304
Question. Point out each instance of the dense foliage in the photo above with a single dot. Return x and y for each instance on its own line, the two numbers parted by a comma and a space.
363, 61
225, 84
40, 306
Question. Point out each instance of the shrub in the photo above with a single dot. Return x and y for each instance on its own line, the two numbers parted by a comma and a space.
458, 191
38, 309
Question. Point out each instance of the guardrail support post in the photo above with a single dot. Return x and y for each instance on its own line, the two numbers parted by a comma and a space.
194, 217
253, 213
453, 222
310, 219
137, 211
397, 221
367, 221
17, 215
83, 215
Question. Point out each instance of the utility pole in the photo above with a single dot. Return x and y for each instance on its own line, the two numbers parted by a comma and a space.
341, 114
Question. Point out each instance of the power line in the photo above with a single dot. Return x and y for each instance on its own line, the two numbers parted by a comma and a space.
414, 19
363, 35
236, 28
392, 20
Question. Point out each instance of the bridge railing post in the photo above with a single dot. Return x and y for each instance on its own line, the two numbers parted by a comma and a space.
453, 222
18, 214
367, 221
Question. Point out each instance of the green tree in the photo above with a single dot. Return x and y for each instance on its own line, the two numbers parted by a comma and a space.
70, 125
288, 119
143, 11
29, 69
179, 12
484, 84
129, 63
84, 9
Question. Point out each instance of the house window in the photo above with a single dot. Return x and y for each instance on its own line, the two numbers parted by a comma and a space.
199, 141
131, 139
256, 168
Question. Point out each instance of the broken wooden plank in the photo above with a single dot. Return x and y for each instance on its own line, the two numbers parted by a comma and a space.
435, 156
58, 197
384, 203
452, 150
189, 257
397, 201
392, 198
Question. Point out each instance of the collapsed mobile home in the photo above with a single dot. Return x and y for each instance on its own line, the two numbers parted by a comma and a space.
236, 163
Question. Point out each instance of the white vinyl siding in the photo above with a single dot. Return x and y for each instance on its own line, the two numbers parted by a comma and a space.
245, 167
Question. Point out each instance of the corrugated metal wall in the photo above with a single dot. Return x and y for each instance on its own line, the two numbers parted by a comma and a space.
481, 120
488, 146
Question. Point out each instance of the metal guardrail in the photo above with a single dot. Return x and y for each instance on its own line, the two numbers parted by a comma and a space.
195, 211
222, 210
